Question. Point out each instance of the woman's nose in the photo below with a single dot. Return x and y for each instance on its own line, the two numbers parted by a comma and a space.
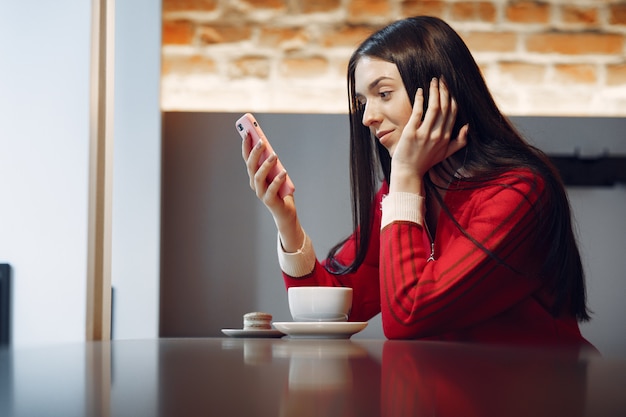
370, 115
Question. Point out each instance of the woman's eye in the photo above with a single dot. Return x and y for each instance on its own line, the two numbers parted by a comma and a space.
385, 95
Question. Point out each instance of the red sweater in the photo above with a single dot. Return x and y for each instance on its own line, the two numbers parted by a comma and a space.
463, 294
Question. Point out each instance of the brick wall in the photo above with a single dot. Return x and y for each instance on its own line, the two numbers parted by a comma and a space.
551, 57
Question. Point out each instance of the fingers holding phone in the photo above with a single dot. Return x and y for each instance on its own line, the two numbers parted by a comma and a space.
264, 178
261, 161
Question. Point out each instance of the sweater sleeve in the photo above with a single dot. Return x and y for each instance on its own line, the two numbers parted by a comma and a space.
297, 264
400, 206
475, 276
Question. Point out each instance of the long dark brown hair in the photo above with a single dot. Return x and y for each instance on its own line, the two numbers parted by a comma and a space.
425, 47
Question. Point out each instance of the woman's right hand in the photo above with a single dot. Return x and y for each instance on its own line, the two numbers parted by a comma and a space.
425, 143
283, 210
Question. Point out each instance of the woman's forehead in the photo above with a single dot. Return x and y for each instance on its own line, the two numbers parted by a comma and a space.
369, 71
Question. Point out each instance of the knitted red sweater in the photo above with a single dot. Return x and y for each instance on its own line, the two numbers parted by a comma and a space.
464, 294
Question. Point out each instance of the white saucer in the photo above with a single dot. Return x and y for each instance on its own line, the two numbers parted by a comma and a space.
320, 330
259, 333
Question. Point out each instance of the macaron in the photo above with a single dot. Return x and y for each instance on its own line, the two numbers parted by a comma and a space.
257, 320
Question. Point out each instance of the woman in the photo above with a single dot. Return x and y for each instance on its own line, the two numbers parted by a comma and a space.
467, 236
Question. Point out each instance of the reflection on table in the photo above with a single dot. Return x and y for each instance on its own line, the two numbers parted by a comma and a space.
306, 377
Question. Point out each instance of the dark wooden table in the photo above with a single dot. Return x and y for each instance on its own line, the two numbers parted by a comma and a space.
296, 377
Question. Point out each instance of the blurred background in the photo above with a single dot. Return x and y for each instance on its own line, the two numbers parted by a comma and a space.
552, 57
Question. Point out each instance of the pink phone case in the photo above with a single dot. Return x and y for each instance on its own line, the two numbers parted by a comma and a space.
247, 123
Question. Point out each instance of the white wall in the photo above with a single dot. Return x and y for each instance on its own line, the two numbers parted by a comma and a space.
137, 169
44, 150
44, 156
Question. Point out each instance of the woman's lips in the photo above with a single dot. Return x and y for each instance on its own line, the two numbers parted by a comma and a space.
382, 135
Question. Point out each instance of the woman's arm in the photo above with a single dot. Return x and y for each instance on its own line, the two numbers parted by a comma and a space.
303, 269
283, 210
463, 285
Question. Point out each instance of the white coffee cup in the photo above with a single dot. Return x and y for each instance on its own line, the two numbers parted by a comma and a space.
320, 303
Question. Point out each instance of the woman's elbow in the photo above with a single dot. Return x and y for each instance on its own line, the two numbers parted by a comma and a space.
398, 331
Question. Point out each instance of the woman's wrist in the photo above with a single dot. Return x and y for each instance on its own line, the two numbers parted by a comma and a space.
406, 183
291, 235
290, 247
299, 263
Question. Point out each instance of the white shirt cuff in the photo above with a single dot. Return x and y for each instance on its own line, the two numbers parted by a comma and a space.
299, 263
399, 206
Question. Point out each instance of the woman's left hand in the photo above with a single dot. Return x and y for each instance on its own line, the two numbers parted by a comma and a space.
425, 143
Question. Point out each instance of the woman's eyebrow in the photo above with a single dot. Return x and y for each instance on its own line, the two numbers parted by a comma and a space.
377, 81
374, 83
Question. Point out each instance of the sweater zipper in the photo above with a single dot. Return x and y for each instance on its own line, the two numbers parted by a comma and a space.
432, 244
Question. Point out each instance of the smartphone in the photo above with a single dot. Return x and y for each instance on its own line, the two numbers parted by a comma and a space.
247, 123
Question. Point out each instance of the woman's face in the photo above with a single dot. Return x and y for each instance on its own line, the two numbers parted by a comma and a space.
387, 108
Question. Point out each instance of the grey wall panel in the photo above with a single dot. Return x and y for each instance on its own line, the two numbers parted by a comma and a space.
208, 229
219, 241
